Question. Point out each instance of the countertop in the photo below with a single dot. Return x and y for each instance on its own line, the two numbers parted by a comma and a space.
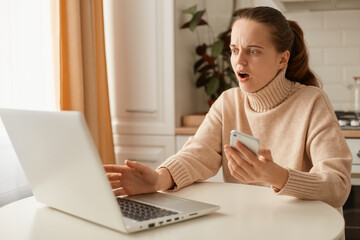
192, 131
192, 122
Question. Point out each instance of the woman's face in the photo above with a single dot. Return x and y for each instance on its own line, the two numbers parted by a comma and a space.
254, 58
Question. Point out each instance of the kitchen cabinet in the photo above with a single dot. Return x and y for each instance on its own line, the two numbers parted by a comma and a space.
148, 149
354, 145
139, 42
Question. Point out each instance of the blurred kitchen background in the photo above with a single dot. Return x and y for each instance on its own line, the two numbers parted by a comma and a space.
150, 72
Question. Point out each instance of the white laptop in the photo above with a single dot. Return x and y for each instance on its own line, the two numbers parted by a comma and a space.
65, 172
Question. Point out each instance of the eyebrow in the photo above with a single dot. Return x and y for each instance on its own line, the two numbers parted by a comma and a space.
249, 46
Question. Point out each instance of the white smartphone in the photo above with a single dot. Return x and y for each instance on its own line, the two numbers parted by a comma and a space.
249, 141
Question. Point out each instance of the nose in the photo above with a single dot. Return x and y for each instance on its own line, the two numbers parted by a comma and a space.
241, 58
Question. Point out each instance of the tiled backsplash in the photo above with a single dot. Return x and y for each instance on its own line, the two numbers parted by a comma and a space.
333, 39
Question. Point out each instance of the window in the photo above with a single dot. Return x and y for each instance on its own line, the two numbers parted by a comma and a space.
26, 78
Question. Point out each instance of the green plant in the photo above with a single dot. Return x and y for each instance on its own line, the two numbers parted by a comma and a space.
212, 68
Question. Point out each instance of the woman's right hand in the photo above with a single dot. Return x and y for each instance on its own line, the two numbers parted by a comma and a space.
136, 178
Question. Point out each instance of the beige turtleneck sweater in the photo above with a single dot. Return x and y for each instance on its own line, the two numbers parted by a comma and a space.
296, 122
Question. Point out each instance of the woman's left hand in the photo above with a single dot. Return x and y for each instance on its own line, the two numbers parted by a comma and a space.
245, 166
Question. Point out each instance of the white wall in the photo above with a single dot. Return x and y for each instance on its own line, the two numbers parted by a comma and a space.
333, 39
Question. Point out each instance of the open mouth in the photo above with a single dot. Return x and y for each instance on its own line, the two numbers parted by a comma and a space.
243, 75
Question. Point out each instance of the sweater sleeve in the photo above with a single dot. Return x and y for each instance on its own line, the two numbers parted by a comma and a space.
200, 157
329, 178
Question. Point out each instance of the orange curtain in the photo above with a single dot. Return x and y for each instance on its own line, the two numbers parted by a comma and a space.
83, 79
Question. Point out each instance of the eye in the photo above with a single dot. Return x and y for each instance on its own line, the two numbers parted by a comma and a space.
252, 51
234, 51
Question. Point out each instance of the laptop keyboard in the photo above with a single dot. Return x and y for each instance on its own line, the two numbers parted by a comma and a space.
140, 211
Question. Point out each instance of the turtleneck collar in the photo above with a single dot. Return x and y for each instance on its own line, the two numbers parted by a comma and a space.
270, 96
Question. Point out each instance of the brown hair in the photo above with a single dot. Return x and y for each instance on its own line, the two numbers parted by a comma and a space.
286, 35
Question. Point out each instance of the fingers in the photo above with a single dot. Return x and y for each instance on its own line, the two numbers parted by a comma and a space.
113, 176
113, 168
115, 180
121, 176
237, 157
136, 165
248, 154
264, 155
238, 166
119, 192
236, 170
244, 164
115, 185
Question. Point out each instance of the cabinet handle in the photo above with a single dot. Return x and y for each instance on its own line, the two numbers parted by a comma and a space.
143, 160
358, 154
140, 111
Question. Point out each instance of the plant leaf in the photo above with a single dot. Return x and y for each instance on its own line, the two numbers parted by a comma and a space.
225, 37
202, 80
204, 68
198, 64
217, 48
212, 86
230, 73
185, 25
209, 60
190, 10
195, 19
202, 22
201, 49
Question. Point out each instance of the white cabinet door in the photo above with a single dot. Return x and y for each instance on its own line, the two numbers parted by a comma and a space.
354, 145
149, 150
139, 40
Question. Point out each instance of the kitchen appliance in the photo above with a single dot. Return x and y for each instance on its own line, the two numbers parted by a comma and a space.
352, 214
348, 120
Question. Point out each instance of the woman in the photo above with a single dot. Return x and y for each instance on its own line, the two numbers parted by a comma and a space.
302, 150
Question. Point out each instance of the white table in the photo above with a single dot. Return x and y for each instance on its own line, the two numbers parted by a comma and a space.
247, 212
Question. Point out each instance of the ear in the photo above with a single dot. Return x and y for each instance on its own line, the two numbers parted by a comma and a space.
284, 59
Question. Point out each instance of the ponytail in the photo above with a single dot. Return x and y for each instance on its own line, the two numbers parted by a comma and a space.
298, 69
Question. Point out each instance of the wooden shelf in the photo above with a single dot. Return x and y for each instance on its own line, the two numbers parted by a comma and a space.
193, 120
351, 133
190, 124
185, 130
